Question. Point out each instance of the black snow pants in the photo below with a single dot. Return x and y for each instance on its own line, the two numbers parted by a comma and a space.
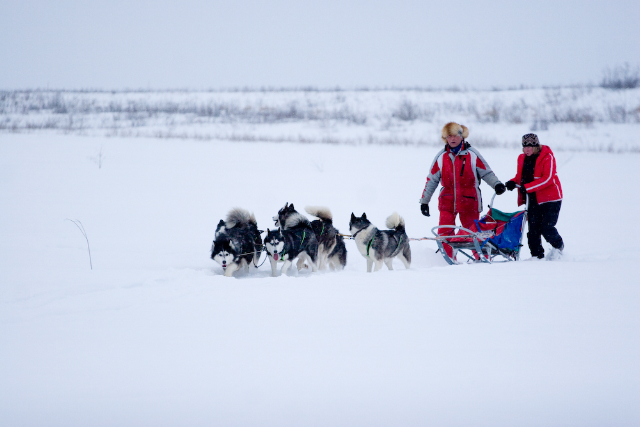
542, 222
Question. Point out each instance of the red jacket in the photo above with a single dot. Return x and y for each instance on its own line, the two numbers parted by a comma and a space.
460, 178
546, 183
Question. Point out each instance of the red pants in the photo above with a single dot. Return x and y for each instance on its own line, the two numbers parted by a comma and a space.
467, 219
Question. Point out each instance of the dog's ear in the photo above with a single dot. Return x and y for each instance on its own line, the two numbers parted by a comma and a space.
353, 217
364, 215
291, 208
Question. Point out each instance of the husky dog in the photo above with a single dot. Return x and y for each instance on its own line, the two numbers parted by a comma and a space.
295, 227
381, 245
338, 256
237, 241
285, 246
331, 248
222, 226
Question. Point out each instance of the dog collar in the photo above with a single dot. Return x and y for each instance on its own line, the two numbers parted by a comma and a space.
356, 233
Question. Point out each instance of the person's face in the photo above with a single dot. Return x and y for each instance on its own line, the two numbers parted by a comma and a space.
528, 151
454, 140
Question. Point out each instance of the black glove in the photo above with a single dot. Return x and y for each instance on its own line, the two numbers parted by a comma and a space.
500, 188
523, 190
425, 209
511, 185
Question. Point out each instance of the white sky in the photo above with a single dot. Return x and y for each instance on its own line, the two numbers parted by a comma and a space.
200, 44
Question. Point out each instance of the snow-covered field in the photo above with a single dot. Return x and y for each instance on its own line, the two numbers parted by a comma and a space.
570, 118
155, 335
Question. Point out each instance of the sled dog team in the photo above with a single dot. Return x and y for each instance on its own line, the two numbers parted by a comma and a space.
458, 168
315, 244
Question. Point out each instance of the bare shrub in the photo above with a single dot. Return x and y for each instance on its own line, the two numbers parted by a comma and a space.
346, 114
84, 233
4, 124
540, 124
57, 104
553, 96
573, 115
636, 114
98, 159
406, 111
516, 112
617, 113
621, 77
492, 115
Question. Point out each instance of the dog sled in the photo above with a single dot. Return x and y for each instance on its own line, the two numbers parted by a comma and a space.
496, 237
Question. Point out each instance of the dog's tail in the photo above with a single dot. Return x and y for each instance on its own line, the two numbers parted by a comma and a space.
294, 220
319, 212
241, 217
395, 221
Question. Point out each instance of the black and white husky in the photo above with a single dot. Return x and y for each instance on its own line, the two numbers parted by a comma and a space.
285, 246
237, 241
381, 246
331, 248
296, 231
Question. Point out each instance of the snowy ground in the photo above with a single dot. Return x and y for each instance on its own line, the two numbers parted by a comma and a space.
155, 335
570, 118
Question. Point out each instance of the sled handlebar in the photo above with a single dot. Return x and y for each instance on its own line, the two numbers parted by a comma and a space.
526, 199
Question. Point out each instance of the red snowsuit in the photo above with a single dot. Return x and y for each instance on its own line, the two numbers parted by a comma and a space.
546, 183
460, 194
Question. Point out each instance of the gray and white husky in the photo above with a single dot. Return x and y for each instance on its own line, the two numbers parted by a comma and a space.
237, 241
296, 228
381, 246
331, 249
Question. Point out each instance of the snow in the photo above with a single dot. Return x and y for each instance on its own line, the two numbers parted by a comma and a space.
570, 119
155, 335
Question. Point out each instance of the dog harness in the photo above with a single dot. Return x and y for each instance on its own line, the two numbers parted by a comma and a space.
275, 254
369, 245
371, 241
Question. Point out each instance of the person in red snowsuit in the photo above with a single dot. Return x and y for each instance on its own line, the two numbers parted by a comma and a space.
459, 168
538, 178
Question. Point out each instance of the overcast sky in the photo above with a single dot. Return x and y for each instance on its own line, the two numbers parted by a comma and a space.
200, 44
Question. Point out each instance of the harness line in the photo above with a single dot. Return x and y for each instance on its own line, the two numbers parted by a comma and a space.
352, 236
265, 258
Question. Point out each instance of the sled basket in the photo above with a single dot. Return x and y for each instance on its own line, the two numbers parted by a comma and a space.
497, 236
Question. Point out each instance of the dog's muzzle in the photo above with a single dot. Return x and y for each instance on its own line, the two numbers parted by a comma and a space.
276, 256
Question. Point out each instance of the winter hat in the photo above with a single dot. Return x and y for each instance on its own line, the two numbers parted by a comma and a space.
453, 128
530, 140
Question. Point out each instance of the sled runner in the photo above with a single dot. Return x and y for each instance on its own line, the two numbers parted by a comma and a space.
497, 234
